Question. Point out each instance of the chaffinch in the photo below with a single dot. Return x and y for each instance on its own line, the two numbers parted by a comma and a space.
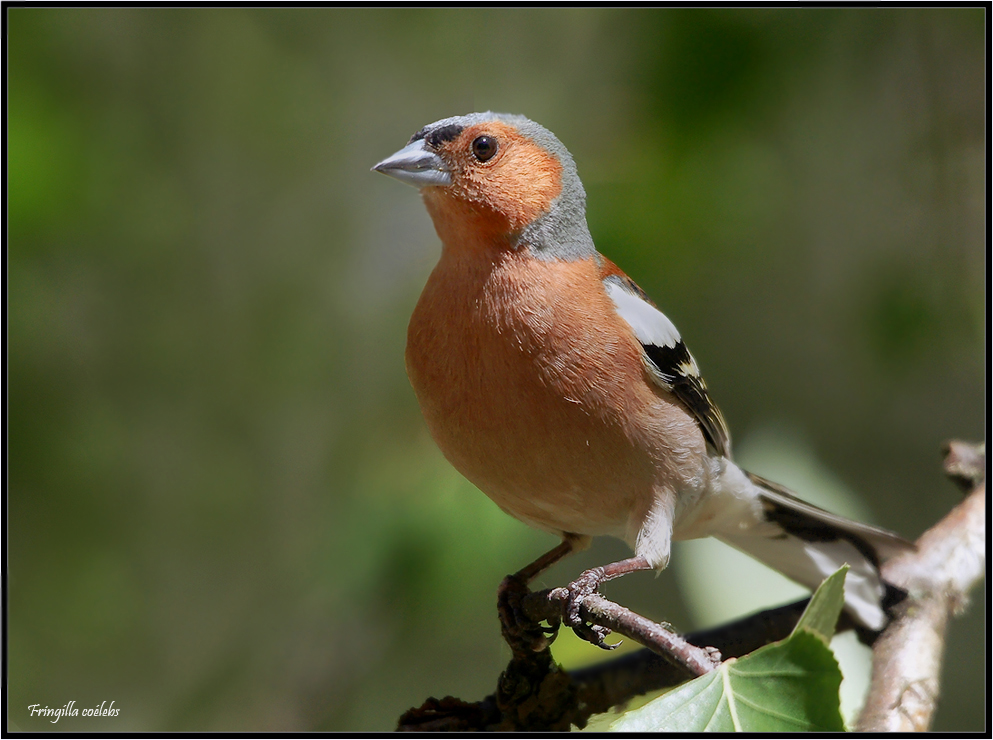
550, 380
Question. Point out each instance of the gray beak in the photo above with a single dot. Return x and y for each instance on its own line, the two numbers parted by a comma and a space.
417, 165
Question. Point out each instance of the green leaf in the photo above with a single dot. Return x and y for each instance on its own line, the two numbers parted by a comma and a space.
788, 686
821, 614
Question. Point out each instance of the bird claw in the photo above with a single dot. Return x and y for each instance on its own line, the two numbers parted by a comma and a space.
595, 634
518, 629
577, 591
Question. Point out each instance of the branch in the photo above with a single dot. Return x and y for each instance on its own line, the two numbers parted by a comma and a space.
533, 693
693, 660
949, 561
614, 682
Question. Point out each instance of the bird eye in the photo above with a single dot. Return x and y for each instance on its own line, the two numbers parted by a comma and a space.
484, 147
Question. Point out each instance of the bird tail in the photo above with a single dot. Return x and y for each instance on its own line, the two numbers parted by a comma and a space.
807, 544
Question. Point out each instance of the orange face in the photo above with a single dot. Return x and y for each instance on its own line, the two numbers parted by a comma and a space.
500, 182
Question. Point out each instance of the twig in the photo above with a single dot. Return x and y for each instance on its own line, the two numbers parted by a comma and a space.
614, 682
949, 561
694, 660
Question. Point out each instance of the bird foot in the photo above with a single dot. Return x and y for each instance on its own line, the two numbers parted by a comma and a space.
573, 596
520, 631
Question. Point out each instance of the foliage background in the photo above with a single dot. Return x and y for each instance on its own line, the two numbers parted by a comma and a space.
223, 510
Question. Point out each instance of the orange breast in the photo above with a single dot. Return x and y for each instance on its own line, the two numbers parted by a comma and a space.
534, 389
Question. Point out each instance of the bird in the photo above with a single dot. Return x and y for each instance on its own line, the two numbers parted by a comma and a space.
556, 386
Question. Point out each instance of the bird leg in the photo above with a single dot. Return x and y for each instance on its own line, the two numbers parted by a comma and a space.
518, 629
587, 584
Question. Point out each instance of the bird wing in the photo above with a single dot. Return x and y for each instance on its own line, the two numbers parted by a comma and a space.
670, 364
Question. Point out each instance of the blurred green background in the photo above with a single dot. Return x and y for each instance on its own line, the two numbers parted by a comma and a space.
224, 510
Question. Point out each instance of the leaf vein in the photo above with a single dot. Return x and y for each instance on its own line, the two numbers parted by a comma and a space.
729, 695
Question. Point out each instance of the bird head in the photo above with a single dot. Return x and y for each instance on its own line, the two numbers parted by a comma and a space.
499, 180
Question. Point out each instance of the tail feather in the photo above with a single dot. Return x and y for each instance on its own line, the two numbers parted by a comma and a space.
796, 515
807, 544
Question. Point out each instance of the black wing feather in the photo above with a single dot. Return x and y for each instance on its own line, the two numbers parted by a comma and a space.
672, 367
